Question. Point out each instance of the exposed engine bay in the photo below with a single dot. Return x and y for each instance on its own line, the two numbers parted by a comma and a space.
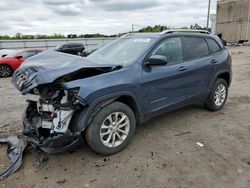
48, 115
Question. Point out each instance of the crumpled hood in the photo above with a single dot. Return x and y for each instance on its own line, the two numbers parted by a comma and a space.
47, 66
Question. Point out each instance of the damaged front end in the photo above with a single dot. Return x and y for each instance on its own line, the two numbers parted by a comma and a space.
51, 117
47, 119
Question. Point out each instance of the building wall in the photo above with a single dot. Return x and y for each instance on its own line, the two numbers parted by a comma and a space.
233, 19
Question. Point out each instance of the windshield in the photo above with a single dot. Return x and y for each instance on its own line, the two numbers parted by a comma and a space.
121, 51
12, 54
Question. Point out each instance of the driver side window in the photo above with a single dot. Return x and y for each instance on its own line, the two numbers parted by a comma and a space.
171, 48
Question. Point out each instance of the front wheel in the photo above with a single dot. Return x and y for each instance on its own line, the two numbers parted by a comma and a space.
218, 95
111, 129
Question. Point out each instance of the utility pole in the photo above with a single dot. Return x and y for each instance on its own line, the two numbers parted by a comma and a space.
208, 13
248, 20
132, 28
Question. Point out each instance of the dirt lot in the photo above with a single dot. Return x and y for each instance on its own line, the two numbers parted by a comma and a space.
157, 156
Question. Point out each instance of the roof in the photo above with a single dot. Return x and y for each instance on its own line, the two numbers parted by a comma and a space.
186, 31
141, 34
167, 32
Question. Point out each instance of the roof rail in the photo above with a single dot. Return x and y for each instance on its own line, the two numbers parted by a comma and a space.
185, 30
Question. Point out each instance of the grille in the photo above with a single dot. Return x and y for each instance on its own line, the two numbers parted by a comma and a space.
19, 80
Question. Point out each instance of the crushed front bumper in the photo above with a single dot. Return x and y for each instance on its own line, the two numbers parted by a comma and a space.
14, 151
56, 144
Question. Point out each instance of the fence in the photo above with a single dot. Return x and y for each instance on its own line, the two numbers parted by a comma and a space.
89, 43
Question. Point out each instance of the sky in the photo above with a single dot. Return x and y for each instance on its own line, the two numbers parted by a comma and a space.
98, 16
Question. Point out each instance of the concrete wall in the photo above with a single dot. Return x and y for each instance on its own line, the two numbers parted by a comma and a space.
90, 43
233, 19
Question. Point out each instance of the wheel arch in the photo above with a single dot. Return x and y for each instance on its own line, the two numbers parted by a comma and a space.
130, 101
225, 76
86, 115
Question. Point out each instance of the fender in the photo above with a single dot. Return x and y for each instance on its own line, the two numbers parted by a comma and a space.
216, 76
85, 117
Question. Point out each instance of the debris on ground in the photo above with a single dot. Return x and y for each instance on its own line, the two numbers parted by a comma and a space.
6, 125
41, 160
92, 180
199, 144
182, 134
14, 151
106, 159
60, 182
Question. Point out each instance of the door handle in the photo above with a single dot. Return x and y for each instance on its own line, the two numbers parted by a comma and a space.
213, 61
182, 68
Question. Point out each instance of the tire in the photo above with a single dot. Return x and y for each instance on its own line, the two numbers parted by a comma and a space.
5, 71
104, 145
211, 103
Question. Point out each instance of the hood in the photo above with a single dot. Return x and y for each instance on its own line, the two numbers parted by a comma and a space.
48, 66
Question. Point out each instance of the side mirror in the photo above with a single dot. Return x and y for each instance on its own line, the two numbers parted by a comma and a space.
156, 60
19, 57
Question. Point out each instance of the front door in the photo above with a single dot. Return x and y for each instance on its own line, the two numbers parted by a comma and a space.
167, 85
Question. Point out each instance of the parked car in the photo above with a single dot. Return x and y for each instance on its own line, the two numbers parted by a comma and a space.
74, 48
4, 52
128, 81
10, 62
85, 53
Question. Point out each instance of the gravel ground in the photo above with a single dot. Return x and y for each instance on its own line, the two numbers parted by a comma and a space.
159, 155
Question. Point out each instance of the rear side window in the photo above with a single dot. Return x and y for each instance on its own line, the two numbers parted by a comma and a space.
195, 47
213, 46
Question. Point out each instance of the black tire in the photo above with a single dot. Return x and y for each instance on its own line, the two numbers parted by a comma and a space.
210, 103
5, 71
92, 134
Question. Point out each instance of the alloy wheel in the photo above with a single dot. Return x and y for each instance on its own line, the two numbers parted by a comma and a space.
5, 71
220, 95
114, 129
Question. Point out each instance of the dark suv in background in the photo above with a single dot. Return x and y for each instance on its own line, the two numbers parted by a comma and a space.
124, 83
74, 48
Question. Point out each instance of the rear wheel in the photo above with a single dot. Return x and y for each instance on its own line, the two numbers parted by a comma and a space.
5, 71
111, 129
218, 95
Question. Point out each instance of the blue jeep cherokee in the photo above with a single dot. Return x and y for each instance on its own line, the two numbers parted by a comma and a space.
101, 98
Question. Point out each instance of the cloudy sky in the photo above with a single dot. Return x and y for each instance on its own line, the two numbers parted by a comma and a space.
97, 16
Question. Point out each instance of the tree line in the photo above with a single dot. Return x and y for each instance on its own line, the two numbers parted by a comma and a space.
156, 28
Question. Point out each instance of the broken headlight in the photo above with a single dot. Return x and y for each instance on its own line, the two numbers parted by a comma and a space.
72, 93
75, 98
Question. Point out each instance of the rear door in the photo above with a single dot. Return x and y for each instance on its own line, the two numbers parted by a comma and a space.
199, 64
217, 57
